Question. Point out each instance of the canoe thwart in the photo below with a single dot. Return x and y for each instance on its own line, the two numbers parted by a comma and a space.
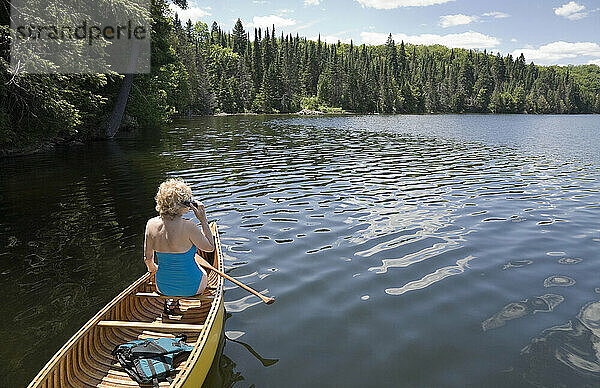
159, 296
152, 284
151, 325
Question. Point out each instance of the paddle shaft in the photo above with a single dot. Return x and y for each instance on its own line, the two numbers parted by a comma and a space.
265, 299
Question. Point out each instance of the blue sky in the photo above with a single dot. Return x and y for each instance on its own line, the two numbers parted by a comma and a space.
546, 31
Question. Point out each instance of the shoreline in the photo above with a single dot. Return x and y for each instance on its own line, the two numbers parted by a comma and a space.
53, 143
303, 112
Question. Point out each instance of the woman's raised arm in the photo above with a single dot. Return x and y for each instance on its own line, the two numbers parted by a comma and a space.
202, 239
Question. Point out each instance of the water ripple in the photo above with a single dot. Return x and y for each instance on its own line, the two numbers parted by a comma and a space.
570, 260
428, 280
328, 212
239, 305
517, 263
559, 281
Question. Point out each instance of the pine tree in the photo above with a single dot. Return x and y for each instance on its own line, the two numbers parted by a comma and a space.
214, 33
257, 68
402, 61
239, 38
466, 81
392, 55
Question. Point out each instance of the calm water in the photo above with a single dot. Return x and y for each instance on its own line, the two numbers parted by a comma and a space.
413, 251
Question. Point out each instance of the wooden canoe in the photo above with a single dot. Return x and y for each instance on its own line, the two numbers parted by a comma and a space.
137, 312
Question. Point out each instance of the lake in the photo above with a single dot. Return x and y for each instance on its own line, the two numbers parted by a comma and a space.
418, 251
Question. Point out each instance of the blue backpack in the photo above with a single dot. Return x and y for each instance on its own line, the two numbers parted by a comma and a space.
152, 360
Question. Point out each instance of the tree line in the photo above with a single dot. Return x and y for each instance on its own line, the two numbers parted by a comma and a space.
286, 73
197, 70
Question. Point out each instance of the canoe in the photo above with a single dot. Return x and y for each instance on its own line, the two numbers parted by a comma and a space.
137, 313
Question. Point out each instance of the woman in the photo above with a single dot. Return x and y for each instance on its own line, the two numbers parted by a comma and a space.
175, 242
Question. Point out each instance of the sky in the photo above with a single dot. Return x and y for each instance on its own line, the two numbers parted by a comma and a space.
547, 32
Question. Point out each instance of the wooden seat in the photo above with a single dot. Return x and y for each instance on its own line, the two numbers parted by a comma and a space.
152, 284
159, 296
152, 325
153, 334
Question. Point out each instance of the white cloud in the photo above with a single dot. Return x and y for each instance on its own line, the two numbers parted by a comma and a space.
594, 62
469, 40
560, 52
268, 21
513, 40
260, 1
312, 2
391, 4
456, 20
496, 15
460, 19
193, 13
286, 10
571, 11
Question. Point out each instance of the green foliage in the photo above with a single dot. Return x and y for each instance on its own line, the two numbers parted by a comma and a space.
37, 106
310, 103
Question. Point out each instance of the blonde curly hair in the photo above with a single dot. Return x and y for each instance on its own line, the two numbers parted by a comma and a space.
170, 197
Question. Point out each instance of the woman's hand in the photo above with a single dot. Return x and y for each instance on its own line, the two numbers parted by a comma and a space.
152, 267
199, 211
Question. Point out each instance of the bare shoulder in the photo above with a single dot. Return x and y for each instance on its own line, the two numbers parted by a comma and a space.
152, 224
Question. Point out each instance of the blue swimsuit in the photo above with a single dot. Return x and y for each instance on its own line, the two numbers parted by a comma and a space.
178, 274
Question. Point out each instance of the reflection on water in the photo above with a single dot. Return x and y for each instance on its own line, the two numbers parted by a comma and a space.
338, 217
517, 264
223, 371
570, 260
537, 304
263, 361
566, 355
559, 281
429, 279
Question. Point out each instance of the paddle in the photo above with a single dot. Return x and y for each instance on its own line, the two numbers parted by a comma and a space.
265, 299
